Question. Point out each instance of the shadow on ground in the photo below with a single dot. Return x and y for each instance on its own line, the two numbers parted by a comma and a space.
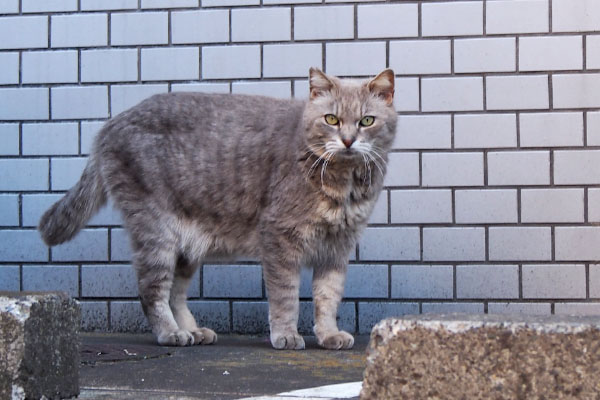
123, 366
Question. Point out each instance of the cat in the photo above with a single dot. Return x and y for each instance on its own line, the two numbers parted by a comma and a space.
289, 182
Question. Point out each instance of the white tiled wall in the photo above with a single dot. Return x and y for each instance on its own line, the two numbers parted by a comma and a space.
492, 200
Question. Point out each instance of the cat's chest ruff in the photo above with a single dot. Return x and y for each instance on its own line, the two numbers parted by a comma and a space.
345, 214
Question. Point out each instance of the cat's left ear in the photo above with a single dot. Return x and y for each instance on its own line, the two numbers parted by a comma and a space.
320, 83
383, 86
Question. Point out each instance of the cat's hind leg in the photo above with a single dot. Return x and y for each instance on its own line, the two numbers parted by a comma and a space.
184, 271
328, 287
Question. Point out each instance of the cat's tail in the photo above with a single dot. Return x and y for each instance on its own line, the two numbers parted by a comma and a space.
68, 215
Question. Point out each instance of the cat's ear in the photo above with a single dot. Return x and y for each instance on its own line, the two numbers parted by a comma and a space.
320, 83
383, 86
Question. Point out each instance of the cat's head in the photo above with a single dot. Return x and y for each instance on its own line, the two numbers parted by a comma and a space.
347, 119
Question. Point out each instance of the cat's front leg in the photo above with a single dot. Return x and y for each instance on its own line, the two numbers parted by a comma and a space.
328, 287
283, 286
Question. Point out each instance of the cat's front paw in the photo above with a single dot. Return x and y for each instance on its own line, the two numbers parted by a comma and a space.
340, 340
204, 336
287, 341
177, 338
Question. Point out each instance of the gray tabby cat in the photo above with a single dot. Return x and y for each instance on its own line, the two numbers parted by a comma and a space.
199, 176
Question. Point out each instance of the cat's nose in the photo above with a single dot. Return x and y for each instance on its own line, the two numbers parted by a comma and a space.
347, 142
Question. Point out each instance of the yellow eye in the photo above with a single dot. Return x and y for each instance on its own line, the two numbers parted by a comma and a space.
367, 121
331, 119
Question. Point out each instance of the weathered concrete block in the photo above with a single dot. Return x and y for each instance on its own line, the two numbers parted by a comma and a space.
459, 356
39, 345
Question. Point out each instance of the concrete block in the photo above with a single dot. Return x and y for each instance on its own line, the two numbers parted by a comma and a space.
200, 26
76, 102
518, 168
387, 20
120, 247
237, 281
291, 60
519, 308
139, 28
211, 314
423, 132
445, 308
123, 97
366, 281
452, 169
554, 281
407, 96
455, 18
109, 65
520, 243
341, 58
54, 138
485, 55
23, 174
250, 317
550, 53
452, 94
402, 170
593, 51
551, 129
79, 30
517, 92
88, 245
369, 314
24, 103
486, 206
39, 351
33, 6
231, 62
200, 87
66, 172
9, 7
575, 15
379, 215
575, 243
9, 74
523, 16
168, 3
411, 57
346, 318
108, 281
516, 356
422, 281
30, 32
421, 206
9, 210
581, 309
94, 316
9, 139
454, 244
174, 63
10, 278
282, 89
261, 24
39, 278
330, 22
577, 167
552, 205
89, 5
390, 244
22, 245
487, 281
576, 90
128, 316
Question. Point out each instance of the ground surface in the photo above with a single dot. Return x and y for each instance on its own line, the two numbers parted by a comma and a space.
116, 366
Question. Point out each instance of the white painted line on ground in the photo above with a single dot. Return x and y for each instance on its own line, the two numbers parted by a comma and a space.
338, 391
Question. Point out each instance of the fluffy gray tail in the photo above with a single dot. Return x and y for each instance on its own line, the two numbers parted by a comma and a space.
68, 215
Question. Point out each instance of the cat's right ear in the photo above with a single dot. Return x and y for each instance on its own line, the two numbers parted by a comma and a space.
319, 83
